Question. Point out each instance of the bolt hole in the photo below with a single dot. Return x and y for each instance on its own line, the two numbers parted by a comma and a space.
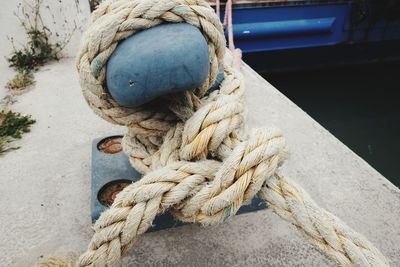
109, 191
131, 83
110, 145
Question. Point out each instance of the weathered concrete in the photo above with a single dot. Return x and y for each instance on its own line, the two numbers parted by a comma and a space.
44, 188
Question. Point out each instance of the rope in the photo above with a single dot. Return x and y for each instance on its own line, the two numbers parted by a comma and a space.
198, 160
227, 23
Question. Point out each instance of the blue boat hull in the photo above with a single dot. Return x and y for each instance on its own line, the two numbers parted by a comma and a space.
290, 36
324, 56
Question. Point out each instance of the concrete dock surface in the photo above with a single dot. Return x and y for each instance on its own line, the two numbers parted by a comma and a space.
45, 187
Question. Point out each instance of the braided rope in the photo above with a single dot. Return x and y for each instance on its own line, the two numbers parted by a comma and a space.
201, 167
323, 229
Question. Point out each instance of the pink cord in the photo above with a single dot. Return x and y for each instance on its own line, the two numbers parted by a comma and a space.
218, 7
236, 52
227, 23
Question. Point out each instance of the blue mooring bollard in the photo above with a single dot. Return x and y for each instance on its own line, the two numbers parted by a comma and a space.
165, 59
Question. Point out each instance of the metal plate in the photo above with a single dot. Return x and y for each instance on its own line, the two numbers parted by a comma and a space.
110, 167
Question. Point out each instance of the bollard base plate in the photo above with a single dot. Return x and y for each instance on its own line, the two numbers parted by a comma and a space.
111, 172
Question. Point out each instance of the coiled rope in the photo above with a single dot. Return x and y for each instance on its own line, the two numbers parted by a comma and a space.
197, 159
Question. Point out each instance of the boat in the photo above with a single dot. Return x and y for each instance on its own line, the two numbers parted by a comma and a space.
276, 35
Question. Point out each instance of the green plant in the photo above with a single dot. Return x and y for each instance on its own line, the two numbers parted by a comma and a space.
12, 126
20, 81
38, 49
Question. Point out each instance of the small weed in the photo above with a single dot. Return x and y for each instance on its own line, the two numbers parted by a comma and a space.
7, 101
22, 61
38, 49
12, 126
20, 81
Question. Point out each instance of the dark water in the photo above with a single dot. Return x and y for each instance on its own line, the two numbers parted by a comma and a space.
360, 105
